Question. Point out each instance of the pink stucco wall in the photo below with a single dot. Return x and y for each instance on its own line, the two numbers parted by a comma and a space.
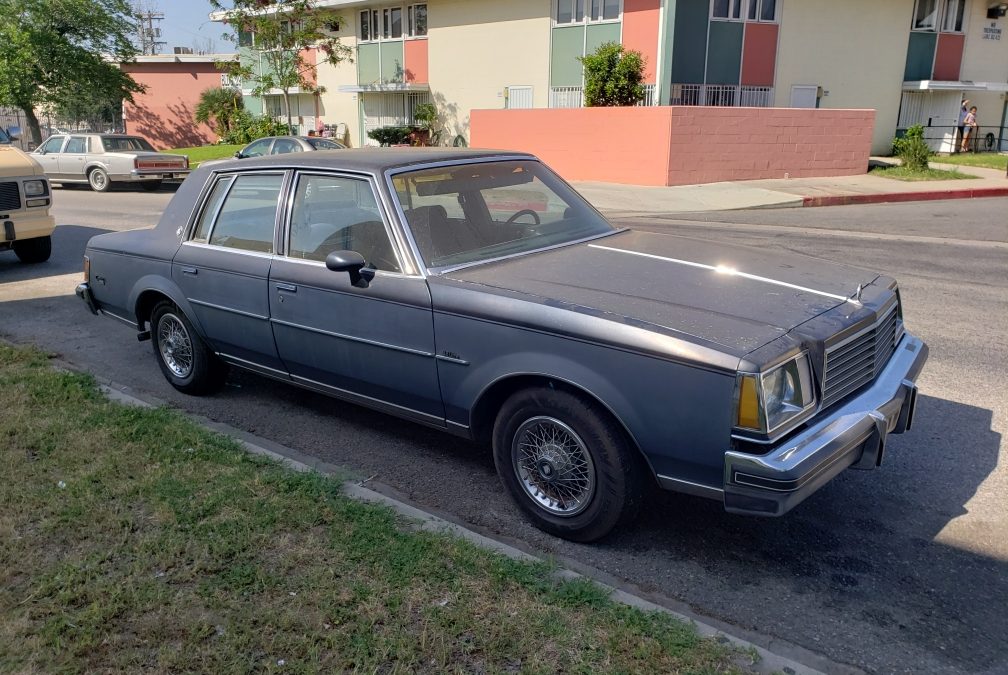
164, 113
683, 145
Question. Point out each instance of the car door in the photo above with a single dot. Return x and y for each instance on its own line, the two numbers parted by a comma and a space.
223, 267
372, 342
48, 156
71, 160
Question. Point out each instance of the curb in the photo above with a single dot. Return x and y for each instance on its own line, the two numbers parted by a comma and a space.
924, 196
769, 661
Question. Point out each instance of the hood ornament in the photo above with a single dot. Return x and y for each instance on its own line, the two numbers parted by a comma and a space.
857, 294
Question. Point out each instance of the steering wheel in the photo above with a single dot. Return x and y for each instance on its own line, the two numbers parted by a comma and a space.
522, 213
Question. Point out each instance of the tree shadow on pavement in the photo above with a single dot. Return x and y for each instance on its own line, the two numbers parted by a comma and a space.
64, 238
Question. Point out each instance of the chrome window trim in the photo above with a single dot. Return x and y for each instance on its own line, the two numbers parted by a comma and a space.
205, 199
239, 251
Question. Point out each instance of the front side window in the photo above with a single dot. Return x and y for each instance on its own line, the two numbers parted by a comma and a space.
474, 212
53, 144
257, 149
246, 218
77, 144
333, 213
926, 15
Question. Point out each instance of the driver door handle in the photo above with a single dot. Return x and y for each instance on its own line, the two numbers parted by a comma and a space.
289, 288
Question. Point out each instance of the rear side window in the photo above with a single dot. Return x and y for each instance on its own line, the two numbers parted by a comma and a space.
241, 213
76, 144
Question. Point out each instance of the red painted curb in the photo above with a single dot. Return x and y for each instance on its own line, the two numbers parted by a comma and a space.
845, 200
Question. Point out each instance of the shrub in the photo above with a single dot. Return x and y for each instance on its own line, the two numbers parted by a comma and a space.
246, 127
912, 149
219, 107
390, 135
426, 116
613, 76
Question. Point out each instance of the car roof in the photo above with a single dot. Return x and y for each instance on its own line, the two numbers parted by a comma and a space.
368, 160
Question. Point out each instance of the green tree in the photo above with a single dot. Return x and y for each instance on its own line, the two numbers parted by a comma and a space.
613, 76
218, 107
279, 35
51, 50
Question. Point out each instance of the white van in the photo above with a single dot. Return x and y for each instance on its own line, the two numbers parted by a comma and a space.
25, 198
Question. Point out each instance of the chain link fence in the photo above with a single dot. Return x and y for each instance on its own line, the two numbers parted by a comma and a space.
49, 124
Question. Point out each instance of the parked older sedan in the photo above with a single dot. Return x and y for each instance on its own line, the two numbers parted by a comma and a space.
281, 145
100, 160
476, 292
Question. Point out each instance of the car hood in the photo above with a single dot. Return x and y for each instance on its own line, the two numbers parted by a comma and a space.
13, 163
737, 297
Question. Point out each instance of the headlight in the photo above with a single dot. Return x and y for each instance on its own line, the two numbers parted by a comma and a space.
35, 188
767, 401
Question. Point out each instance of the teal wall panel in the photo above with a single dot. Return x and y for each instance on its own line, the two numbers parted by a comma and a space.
600, 33
689, 41
568, 44
368, 70
920, 56
392, 62
724, 53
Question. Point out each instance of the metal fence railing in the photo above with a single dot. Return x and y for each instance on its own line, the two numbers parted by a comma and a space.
573, 97
946, 139
722, 95
49, 125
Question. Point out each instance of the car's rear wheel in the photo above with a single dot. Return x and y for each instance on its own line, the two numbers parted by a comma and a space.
35, 250
99, 179
185, 360
567, 463
150, 185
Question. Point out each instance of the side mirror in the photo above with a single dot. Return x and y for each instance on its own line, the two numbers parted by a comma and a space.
353, 263
238, 154
14, 133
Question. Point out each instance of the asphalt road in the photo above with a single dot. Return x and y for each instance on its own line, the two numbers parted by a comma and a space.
903, 569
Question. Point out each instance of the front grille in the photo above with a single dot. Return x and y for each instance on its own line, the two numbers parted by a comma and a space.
858, 360
10, 197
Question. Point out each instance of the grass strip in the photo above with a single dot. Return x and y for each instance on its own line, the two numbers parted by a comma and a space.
987, 160
905, 174
205, 153
135, 539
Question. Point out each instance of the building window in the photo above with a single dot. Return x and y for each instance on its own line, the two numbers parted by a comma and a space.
578, 11
729, 10
750, 10
954, 15
762, 10
417, 20
926, 15
369, 25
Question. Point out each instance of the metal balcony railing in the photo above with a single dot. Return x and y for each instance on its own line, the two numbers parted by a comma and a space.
728, 95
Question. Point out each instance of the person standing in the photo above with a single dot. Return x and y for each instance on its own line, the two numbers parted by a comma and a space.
970, 127
963, 111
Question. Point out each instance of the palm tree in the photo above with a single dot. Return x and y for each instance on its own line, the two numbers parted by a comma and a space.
218, 106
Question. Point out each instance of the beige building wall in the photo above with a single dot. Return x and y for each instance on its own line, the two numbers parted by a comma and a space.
985, 61
477, 48
856, 53
339, 106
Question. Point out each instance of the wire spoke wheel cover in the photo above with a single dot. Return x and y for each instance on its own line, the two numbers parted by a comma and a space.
553, 466
175, 345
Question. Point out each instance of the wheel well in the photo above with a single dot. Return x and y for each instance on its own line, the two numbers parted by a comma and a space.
145, 305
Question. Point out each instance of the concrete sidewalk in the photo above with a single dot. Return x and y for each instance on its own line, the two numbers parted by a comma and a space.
638, 200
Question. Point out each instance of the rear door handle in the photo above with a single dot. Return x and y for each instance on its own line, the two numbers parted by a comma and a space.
190, 270
290, 288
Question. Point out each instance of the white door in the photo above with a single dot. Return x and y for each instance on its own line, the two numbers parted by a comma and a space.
804, 96
519, 97
937, 112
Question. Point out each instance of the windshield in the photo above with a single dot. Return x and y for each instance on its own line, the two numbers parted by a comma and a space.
472, 212
325, 144
4, 138
124, 143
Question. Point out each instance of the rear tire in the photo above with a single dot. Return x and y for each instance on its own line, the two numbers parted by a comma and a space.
567, 464
185, 360
99, 180
33, 251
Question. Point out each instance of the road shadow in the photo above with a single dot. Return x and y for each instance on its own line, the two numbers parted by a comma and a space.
68, 243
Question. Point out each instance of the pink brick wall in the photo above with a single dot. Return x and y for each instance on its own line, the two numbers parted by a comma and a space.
684, 144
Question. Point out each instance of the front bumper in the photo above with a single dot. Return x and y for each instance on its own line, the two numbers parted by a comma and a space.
852, 435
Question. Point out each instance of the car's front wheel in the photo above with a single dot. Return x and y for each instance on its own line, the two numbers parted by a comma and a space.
99, 180
186, 361
567, 463
35, 250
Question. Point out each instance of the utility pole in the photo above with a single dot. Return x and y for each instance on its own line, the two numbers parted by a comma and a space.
148, 33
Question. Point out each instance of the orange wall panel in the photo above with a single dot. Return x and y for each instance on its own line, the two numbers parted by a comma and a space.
641, 20
661, 145
415, 56
948, 57
164, 113
759, 54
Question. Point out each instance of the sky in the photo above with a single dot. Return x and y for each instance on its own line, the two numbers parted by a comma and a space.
186, 22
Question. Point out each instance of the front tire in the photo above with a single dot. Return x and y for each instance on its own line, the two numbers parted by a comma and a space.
33, 251
567, 464
185, 360
99, 180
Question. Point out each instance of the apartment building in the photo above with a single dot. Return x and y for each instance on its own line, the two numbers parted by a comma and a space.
910, 60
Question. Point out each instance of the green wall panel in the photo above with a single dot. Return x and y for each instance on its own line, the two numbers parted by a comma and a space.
600, 33
920, 56
392, 63
368, 71
568, 44
724, 54
689, 41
